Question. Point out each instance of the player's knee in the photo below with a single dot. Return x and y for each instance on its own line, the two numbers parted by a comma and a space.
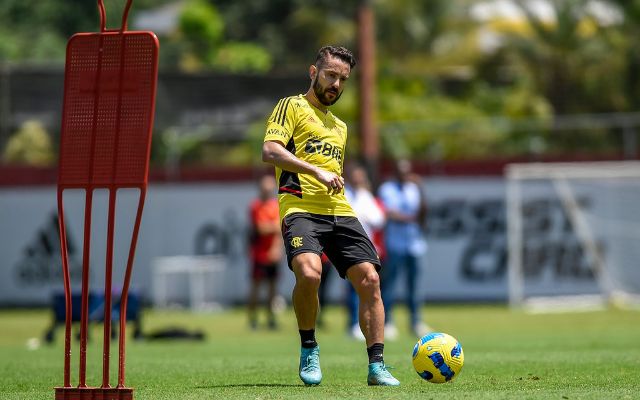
307, 275
371, 282
372, 279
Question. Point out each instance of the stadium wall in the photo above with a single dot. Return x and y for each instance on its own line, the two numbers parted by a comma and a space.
466, 261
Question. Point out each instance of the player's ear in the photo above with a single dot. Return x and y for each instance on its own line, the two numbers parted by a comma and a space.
313, 72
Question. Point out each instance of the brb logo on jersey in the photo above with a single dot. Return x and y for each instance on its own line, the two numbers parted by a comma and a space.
317, 146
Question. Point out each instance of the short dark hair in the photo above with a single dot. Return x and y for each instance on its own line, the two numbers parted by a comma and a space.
335, 51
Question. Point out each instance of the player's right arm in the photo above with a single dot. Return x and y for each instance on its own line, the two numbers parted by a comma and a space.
274, 153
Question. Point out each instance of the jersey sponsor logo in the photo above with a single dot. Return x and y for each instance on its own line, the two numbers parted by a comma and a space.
296, 242
317, 146
277, 132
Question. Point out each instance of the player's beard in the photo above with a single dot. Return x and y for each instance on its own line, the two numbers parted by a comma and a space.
321, 94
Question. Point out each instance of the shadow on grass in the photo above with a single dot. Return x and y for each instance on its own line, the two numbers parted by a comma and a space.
249, 385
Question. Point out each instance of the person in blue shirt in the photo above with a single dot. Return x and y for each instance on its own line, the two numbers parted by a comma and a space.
405, 245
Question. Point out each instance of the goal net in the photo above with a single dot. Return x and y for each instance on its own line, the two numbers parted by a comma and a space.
573, 235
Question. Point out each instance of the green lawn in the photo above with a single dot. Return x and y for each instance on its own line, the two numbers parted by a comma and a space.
508, 355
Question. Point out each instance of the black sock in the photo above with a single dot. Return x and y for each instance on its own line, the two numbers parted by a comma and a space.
308, 338
375, 352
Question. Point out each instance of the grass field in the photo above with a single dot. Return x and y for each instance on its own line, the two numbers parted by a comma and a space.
508, 355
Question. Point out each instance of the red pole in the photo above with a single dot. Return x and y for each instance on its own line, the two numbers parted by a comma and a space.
84, 316
125, 287
67, 290
108, 276
112, 210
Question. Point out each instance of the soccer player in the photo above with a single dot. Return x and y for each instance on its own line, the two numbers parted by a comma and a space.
306, 143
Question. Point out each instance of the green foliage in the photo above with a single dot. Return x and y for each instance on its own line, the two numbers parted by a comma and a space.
240, 57
566, 60
62, 17
435, 127
37, 30
201, 24
30, 145
10, 45
202, 29
290, 30
623, 38
441, 94
412, 26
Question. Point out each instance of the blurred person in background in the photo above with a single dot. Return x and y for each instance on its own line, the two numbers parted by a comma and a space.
371, 215
405, 209
266, 249
306, 144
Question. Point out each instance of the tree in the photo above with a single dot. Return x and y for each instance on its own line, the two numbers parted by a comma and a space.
37, 30
567, 58
626, 35
203, 28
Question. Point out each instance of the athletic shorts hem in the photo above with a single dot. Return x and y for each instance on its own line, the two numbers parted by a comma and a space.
376, 264
342, 239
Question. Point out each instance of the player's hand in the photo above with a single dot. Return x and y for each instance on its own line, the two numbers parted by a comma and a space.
333, 182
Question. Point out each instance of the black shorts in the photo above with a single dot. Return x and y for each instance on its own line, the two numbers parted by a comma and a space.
342, 239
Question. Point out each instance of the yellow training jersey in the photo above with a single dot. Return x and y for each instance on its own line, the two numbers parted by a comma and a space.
314, 137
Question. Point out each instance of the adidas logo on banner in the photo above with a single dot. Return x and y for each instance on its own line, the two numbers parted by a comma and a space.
41, 262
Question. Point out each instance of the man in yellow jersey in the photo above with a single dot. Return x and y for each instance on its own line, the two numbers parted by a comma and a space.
306, 144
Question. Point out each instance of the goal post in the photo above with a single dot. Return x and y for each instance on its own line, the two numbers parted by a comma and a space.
573, 234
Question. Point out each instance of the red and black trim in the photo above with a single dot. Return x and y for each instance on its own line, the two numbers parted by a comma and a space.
289, 182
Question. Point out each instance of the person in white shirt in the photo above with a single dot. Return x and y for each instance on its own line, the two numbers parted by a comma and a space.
371, 216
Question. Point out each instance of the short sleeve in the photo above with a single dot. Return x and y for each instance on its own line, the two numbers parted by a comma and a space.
282, 122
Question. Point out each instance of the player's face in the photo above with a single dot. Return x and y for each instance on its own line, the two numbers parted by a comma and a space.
329, 80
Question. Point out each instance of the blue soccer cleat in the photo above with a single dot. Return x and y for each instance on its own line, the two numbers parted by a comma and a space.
380, 376
310, 366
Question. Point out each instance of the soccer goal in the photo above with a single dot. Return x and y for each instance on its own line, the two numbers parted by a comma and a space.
573, 235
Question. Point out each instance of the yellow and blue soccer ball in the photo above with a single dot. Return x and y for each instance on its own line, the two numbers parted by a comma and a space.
438, 357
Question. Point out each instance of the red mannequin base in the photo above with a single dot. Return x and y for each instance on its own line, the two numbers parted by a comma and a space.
90, 393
